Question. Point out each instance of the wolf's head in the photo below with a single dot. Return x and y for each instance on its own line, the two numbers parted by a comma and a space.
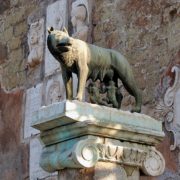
58, 40
57, 33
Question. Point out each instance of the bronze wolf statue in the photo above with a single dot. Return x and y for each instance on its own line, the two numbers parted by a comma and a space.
90, 62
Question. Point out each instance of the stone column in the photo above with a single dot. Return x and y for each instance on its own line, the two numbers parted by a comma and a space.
86, 141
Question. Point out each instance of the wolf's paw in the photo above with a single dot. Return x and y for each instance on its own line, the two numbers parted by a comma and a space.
136, 109
78, 98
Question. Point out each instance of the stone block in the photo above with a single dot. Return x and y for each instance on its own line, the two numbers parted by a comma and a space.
3, 54
1, 27
33, 103
35, 171
16, 55
36, 43
4, 6
20, 29
8, 34
79, 135
17, 16
76, 111
75, 84
12, 74
15, 43
14, 2
55, 90
172, 102
174, 35
83, 174
57, 17
106, 171
14, 154
112, 39
81, 11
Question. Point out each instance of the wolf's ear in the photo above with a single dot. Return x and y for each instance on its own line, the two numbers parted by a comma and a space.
65, 30
50, 29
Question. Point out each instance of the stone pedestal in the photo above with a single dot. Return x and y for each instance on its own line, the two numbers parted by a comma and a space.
111, 143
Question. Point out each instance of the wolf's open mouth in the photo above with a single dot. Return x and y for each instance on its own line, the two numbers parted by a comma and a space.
63, 44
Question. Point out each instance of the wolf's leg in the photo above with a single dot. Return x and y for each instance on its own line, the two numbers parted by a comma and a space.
82, 77
138, 98
119, 98
134, 91
130, 85
67, 79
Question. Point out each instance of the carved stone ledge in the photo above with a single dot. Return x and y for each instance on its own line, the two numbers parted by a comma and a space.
170, 108
171, 99
86, 153
154, 163
35, 43
78, 135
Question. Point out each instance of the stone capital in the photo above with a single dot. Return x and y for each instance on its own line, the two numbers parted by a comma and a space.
78, 135
86, 153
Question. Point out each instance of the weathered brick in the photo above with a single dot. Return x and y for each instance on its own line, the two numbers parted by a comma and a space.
13, 74
112, 39
8, 34
3, 53
14, 3
16, 15
13, 153
97, 34
1, 25
16, 55
141, 37
174, 35
14, 43
4, 6
20, 28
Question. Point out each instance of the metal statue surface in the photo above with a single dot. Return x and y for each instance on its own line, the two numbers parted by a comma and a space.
92, 62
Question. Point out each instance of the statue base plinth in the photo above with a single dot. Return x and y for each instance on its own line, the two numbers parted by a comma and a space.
82, 135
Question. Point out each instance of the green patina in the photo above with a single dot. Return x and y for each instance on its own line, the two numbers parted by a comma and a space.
90, 62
